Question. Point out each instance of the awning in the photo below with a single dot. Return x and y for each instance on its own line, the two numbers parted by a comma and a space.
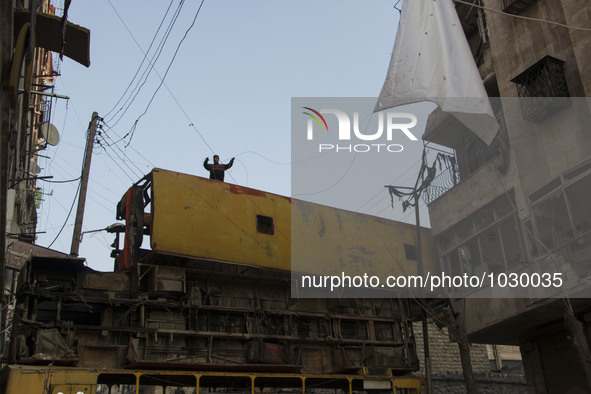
48, 35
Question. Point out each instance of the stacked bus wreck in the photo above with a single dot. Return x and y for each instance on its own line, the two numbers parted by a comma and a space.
210, 305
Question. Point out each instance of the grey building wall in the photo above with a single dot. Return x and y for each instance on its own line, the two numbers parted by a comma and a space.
548, 159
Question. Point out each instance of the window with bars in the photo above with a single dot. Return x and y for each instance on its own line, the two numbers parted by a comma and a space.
515, 6
542, 89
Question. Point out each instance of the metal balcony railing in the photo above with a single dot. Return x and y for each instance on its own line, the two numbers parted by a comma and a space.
466, 161
470, 155
446, 179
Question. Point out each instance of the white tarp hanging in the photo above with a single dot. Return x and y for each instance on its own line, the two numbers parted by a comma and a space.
432, 62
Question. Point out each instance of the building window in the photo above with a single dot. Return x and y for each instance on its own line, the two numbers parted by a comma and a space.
489, 240
410, 251
515, 6
265, 225
577, 196
562, 217
552, 220
542, 89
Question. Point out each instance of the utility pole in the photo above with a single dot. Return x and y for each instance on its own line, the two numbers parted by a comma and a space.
412, 196
428, 382
420, 267
415, 193
83, 186
424, 179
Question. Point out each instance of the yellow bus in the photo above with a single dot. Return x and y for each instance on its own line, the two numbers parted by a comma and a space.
68, 380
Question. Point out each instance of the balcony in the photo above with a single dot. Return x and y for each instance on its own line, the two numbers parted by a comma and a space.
467, 160
470, 153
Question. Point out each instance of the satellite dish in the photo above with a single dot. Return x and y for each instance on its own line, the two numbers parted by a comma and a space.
50, 134
34, 168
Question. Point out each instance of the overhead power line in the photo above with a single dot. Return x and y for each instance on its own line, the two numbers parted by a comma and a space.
145, 54
132, 131
67, 217
62, 181
151, 64
523, 17
191, 123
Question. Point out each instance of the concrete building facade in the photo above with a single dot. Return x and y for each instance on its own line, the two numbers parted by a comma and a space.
521, 203
32, 39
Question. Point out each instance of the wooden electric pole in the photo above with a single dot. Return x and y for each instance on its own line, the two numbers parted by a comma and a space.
412, 196
426, 176
83, 186
415, 194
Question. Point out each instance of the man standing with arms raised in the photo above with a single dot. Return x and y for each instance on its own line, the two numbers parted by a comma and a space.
216, 170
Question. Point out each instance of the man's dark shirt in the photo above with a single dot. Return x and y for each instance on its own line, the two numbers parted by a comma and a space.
216, 171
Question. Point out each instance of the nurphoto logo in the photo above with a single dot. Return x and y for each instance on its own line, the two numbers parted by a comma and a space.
395, 123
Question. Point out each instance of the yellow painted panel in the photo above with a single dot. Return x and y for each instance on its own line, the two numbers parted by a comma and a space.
334, 241
412, 383
207, 219
31, 379
16, 382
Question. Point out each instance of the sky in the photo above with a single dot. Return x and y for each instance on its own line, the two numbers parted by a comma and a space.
229, 80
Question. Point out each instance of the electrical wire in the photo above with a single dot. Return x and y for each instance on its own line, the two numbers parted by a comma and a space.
70, 210
131, 146
379, 201
191, 123
507, 14
82, 126
73, 200
162, 82
103, 187
63, 181
132, 131
258, 209
290, 163
63, 133
346, 171
117, 163
334, 184
145, 75
407, 171
67, 217
200, 134
145, 54
103, 135
95, 192
523, 17
121, 160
